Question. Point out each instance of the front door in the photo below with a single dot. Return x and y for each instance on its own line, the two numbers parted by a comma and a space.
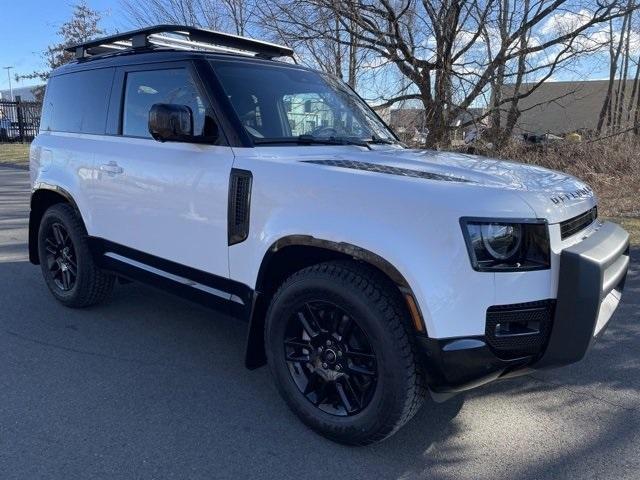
169, 199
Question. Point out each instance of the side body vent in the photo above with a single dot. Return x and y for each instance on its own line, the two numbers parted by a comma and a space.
239, 205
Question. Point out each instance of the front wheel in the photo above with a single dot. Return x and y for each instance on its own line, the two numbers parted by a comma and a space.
342, 354
67, 265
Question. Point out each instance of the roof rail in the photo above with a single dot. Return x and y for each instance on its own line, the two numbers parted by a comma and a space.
179, 37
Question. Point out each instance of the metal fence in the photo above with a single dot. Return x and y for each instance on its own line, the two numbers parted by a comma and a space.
19, 121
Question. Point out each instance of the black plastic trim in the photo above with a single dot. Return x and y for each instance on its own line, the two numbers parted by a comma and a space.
36, 212
255, 355
575, 225
239, 210
454, 365
99, 247
580, 293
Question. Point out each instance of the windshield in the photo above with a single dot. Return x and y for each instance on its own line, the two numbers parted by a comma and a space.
284, 104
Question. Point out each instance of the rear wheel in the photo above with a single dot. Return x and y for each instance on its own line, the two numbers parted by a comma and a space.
340, 349
66, 262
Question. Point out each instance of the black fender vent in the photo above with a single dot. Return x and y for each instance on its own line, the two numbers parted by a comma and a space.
239, 205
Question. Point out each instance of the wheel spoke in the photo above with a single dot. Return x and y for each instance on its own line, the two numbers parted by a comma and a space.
308, 324
50, 246
360, 370
299, 358
66, 279
51, 263
297, 344
343, 398
360, 355
57, 234
330, 358
72, 270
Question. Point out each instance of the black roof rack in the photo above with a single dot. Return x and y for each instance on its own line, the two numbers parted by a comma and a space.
179, 37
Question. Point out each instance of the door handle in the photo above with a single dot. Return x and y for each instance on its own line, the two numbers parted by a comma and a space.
112, 168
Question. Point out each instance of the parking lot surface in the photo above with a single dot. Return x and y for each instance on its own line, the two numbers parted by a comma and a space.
148, 386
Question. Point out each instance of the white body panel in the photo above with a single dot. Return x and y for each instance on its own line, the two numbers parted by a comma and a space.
171, 201
165, 199
411, 222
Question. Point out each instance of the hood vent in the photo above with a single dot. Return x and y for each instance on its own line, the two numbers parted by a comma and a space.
377, 168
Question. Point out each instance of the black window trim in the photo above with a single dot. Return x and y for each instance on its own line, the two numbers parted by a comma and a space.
119, 90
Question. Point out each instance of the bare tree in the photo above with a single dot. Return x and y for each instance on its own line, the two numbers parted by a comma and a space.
233, 16
606, 113
449, 51
336, 51
83, 25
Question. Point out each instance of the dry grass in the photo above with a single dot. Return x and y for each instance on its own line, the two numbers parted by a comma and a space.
631, 225
16, 153
611, 167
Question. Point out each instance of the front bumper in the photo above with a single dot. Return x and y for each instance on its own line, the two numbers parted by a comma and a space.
591, 279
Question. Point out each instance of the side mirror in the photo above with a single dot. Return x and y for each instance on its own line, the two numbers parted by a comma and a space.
171, 123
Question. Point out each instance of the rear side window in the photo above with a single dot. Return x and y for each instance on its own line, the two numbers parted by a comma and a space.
146, 88
78, 102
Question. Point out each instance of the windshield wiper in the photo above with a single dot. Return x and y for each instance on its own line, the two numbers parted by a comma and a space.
381, 141
311, 140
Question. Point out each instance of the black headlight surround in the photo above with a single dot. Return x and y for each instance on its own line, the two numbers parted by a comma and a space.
533, 254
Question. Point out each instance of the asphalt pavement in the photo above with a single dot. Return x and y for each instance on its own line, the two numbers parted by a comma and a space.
148, 386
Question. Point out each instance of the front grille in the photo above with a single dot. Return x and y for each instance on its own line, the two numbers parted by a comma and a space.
576, 224
519, 329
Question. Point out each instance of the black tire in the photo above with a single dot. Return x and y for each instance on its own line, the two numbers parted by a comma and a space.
374, 303
90, 285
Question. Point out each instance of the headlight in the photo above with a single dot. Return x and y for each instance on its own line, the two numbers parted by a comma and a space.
496, 245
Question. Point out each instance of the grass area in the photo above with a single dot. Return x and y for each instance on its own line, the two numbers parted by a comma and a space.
631, 225
14, 153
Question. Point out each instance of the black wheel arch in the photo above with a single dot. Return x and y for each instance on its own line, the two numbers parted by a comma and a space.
44, 196
295, 252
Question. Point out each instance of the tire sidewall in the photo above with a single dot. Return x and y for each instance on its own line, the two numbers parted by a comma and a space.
388, 399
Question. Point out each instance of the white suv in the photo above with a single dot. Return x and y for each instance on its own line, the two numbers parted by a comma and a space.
369, 274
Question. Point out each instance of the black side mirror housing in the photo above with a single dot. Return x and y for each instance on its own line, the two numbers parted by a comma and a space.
171, 123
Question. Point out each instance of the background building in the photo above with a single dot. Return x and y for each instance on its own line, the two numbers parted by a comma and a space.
564, 107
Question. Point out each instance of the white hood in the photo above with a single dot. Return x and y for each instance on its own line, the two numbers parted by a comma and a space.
552, 195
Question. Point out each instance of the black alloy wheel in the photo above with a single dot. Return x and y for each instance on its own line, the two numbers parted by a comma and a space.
341, 350
330, 358
67, 264
61, 257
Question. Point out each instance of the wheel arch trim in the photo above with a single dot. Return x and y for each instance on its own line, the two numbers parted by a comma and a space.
254, 354
36, 213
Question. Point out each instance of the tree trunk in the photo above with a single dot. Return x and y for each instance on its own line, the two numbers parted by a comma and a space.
614, 54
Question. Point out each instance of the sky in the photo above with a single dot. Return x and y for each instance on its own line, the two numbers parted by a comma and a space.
27, 27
